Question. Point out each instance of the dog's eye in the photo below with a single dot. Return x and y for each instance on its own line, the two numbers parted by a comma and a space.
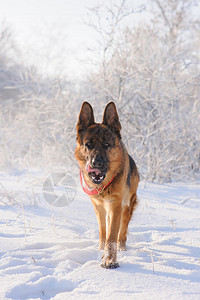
89, 145
106, 145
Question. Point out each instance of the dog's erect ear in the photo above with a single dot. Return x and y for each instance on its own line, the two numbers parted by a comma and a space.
111, 118
86, 117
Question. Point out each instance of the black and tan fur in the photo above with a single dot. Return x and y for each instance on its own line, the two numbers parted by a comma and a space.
101, 143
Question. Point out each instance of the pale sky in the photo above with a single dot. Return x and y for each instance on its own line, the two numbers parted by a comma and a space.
34, 21
28, 15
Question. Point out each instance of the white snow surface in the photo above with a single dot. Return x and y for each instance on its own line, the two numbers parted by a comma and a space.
52, 253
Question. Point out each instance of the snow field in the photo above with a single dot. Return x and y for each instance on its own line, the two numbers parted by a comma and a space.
51, 253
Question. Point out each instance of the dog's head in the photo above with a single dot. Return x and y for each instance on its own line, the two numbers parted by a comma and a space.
97, 143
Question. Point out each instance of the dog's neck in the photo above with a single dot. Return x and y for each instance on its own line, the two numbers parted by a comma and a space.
98, 190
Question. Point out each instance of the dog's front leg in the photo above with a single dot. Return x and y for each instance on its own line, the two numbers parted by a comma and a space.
101, 218
113, 224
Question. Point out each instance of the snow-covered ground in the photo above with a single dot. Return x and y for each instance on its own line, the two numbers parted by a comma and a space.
50, 252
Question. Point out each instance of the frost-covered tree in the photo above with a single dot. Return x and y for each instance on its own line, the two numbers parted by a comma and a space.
37, 128
151, 72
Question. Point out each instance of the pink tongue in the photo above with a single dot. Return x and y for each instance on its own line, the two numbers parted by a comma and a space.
90, 170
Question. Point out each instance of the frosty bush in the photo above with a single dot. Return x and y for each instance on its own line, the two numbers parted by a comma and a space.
36, 115
153, 76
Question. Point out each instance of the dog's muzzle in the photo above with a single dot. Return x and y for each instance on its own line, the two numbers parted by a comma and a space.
95, 173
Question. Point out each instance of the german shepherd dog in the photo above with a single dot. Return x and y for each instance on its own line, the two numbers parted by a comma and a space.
109, 176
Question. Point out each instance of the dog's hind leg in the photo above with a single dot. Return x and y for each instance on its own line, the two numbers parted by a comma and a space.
125, 219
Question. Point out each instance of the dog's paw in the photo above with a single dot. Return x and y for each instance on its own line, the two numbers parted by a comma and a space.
110, 265
109, 262
109, 258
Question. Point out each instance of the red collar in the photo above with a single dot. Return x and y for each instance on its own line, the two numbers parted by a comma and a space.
90, 190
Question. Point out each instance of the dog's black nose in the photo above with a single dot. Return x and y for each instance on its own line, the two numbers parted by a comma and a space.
97, 162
